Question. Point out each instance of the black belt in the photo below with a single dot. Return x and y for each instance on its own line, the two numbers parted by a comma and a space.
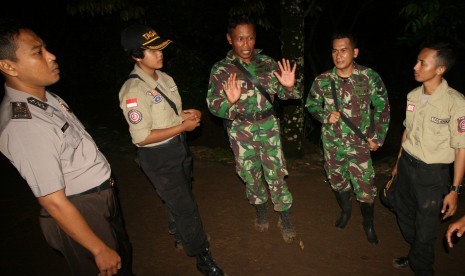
255, 116
420, 164
105, 185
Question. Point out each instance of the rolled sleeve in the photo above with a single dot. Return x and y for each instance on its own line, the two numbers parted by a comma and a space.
136, 112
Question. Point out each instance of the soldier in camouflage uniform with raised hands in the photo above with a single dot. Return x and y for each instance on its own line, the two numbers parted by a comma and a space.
362, 98
253, 130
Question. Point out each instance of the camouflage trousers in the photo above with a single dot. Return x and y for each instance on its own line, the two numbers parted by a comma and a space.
346, 165
259, 160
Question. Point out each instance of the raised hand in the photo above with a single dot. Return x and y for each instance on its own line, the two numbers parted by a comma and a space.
232, 89
287, 76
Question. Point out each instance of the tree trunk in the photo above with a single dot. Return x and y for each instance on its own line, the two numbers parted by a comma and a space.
292, 39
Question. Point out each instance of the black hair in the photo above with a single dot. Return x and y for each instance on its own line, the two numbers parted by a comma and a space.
351, 37
9, 31
136, 53
239, 19
445, 54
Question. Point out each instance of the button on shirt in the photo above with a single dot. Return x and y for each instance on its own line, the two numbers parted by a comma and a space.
145, 109
435, 128
48, 145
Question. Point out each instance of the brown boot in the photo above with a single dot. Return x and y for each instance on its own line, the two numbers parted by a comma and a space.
287, 230
261, 222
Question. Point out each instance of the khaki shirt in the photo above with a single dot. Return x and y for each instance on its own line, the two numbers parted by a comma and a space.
435, 129
146, 109
48, 145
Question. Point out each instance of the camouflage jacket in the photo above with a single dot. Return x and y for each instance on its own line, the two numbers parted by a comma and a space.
361, 96
251, 100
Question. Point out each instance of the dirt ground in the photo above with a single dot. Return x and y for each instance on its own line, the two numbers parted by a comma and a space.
238, 248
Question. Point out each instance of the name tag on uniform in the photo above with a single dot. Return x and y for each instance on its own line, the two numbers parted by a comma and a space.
64, 127
360, 90
439, 121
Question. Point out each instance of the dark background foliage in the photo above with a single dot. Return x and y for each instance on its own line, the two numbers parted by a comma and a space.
94, 66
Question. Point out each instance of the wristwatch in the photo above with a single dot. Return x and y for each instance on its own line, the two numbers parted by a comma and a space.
457, 189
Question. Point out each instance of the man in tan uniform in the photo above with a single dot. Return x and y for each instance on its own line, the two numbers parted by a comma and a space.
152, 107
48, 145
434, 137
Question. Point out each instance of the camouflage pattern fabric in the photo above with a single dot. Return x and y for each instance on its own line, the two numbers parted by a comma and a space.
345, 165
256, 144
347, 155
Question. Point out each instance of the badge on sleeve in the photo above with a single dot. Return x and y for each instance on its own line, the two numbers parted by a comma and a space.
157, 99
131, 102
134, 116
461, 124
410, 107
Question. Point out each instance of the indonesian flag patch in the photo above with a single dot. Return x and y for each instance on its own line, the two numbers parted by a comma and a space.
131, 102
461, 124
410, 107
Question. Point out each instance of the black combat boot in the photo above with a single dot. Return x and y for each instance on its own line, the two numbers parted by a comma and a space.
261, 222
343, 199
206, 265
368, 214
287, 230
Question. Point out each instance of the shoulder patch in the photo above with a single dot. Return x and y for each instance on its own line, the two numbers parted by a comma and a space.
37, 103
19, 110
410, 107
134, 116
461, 124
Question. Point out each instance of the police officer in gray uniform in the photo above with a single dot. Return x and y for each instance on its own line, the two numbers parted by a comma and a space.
43, 139
152, 106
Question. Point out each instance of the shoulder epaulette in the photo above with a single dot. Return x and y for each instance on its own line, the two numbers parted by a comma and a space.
19, 110
37, 103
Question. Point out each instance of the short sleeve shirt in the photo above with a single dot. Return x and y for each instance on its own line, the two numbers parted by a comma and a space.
436, 128
145, 108
48, 145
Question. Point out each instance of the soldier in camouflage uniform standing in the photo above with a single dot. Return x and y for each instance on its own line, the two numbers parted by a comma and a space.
253, 130
362, 97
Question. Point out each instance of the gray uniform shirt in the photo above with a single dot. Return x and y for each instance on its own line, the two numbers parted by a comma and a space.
48, 145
